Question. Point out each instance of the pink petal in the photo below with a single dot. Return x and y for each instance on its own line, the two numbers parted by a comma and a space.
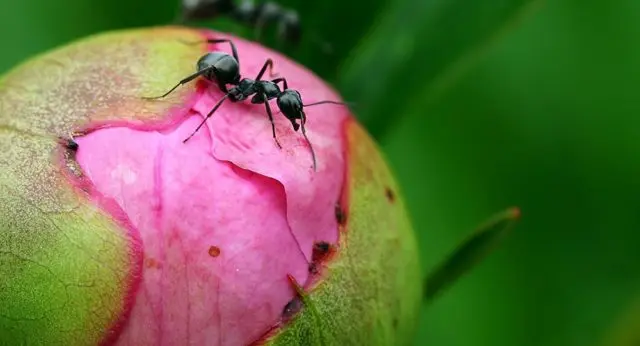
225, 217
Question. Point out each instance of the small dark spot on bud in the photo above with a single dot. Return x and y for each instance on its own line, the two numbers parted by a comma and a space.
340, 215
151, 263
72, 145
214, 251
320, 251
292, 307
322, 246
391, 197
313, 268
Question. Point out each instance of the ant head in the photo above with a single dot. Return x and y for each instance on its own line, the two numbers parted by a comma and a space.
290, 104
221, 67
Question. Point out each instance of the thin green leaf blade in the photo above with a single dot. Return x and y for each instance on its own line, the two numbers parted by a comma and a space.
470, 252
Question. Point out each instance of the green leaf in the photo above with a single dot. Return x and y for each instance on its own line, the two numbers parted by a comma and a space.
417, 47
470, 252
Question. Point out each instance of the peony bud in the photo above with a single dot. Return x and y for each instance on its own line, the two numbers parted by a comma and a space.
136, 238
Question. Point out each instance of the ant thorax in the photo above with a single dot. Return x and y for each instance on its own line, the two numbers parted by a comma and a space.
269, 88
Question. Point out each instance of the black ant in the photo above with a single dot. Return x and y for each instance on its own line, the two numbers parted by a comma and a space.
223, 69
257, 16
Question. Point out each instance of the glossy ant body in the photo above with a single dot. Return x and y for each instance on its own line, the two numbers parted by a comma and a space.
224, 69
247, 12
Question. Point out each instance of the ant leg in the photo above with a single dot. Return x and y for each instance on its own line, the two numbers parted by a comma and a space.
271, 74
269, 64
304, 133
284, 82
184, 81
207, 117
234, 51
273, 124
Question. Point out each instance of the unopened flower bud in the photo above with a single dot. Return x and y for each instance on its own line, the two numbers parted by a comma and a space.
114, 230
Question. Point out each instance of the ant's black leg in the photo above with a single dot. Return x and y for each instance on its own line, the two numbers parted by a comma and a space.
267, 64
304, 133
184, 81
234, 51
284, 82
207, 117
273, 124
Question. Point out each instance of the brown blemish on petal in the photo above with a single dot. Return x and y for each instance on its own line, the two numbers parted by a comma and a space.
341, 217
214, 251
391, 197
151, 263
320, 251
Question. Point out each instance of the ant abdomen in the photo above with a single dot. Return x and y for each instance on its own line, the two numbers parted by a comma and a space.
225, 67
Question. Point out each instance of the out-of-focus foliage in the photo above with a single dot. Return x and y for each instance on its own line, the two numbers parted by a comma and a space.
625, 331
546, 118
469, 253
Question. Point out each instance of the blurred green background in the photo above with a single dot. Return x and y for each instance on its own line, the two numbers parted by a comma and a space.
479, 105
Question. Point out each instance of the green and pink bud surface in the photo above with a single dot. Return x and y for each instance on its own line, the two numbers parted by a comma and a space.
138, 238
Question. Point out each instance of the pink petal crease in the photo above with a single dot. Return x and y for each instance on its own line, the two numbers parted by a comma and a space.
226, 216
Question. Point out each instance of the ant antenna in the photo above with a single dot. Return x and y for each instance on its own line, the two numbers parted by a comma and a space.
304, 133
330, 102
207, 117
182, 82
325, 102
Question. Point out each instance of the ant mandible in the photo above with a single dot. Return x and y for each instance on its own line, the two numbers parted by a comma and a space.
224, 69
